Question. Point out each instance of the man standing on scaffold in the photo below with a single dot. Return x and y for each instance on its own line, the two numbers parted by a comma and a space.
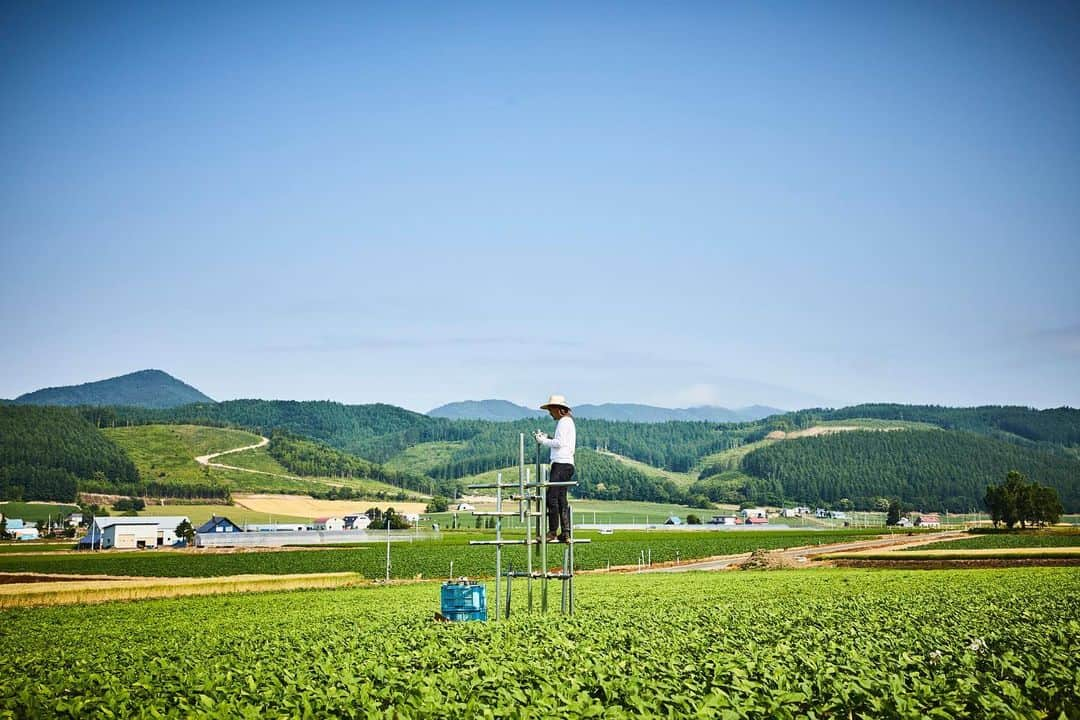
562, 466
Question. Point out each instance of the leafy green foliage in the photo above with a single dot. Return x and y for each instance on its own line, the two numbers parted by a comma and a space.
926, 469
1018, 501
46, 453
826, 644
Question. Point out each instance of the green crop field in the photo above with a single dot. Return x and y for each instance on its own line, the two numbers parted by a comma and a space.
428, 558
599, 512
813, 644
34, 546
31, 512
1005, 541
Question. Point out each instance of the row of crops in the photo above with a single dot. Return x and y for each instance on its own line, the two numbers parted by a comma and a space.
994, 541
819, 643
426, 558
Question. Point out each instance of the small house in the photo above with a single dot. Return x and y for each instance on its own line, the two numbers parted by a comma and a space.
790, 512
75, 519
821, 513
218, 524
838, 515
757, 521
26, 533
14, 524
673, 520
465, 507
411, 518
754, 513
356, 522
723, 520
328, 524
928, 520
904, 522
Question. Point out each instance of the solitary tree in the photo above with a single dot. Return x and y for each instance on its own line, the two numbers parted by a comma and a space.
186, 532
893, 516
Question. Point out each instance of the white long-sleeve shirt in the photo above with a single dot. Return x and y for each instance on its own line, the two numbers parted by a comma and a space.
563, 443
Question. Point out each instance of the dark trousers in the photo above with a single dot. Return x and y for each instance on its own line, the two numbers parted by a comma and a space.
558, 507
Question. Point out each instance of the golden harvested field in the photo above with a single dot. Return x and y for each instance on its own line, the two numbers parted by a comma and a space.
106, 590
308, 507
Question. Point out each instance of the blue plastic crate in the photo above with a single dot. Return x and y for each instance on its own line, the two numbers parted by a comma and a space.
464, 600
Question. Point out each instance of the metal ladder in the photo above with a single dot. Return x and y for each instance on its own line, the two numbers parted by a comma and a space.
532, 503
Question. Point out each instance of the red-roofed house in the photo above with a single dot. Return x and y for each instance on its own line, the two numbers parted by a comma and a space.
330, 524
928, 520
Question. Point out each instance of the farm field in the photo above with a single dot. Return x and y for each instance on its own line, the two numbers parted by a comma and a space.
589, 511
1001, 540
820, 643
198, 514
427, 558
33, 546
309, 507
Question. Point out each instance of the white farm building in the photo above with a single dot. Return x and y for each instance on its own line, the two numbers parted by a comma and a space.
133, 532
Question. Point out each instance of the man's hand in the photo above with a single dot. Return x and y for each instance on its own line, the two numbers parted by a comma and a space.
540, 436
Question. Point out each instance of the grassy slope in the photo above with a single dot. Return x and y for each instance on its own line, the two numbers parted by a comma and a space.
171, 449
167, 452
421, 458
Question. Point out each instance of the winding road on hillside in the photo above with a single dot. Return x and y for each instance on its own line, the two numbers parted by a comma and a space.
263, 442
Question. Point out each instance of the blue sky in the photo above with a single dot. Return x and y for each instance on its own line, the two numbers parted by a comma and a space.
676, 204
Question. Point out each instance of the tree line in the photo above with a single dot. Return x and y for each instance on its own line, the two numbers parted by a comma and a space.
308, 457
46, 453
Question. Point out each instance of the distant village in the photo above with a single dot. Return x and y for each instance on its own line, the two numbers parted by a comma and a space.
128, 532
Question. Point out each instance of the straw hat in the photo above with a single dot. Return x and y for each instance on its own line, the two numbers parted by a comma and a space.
556, 401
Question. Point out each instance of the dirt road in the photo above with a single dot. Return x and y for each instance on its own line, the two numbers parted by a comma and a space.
803, 554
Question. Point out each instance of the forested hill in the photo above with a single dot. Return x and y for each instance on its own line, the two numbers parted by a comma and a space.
505, 411
145, 388
930, 469
1059, 426
46, 453
373, 431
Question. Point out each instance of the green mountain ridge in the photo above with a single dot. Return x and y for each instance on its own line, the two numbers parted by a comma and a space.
506, 411
144, 388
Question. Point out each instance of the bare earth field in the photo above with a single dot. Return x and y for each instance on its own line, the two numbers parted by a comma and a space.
308, 507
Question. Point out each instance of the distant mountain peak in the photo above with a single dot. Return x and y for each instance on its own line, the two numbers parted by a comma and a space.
504, 410
150, 388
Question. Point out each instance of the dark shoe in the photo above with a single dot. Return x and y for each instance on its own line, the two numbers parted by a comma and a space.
550, 537
564, 539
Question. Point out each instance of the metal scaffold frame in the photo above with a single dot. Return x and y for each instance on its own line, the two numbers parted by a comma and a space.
532, 503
